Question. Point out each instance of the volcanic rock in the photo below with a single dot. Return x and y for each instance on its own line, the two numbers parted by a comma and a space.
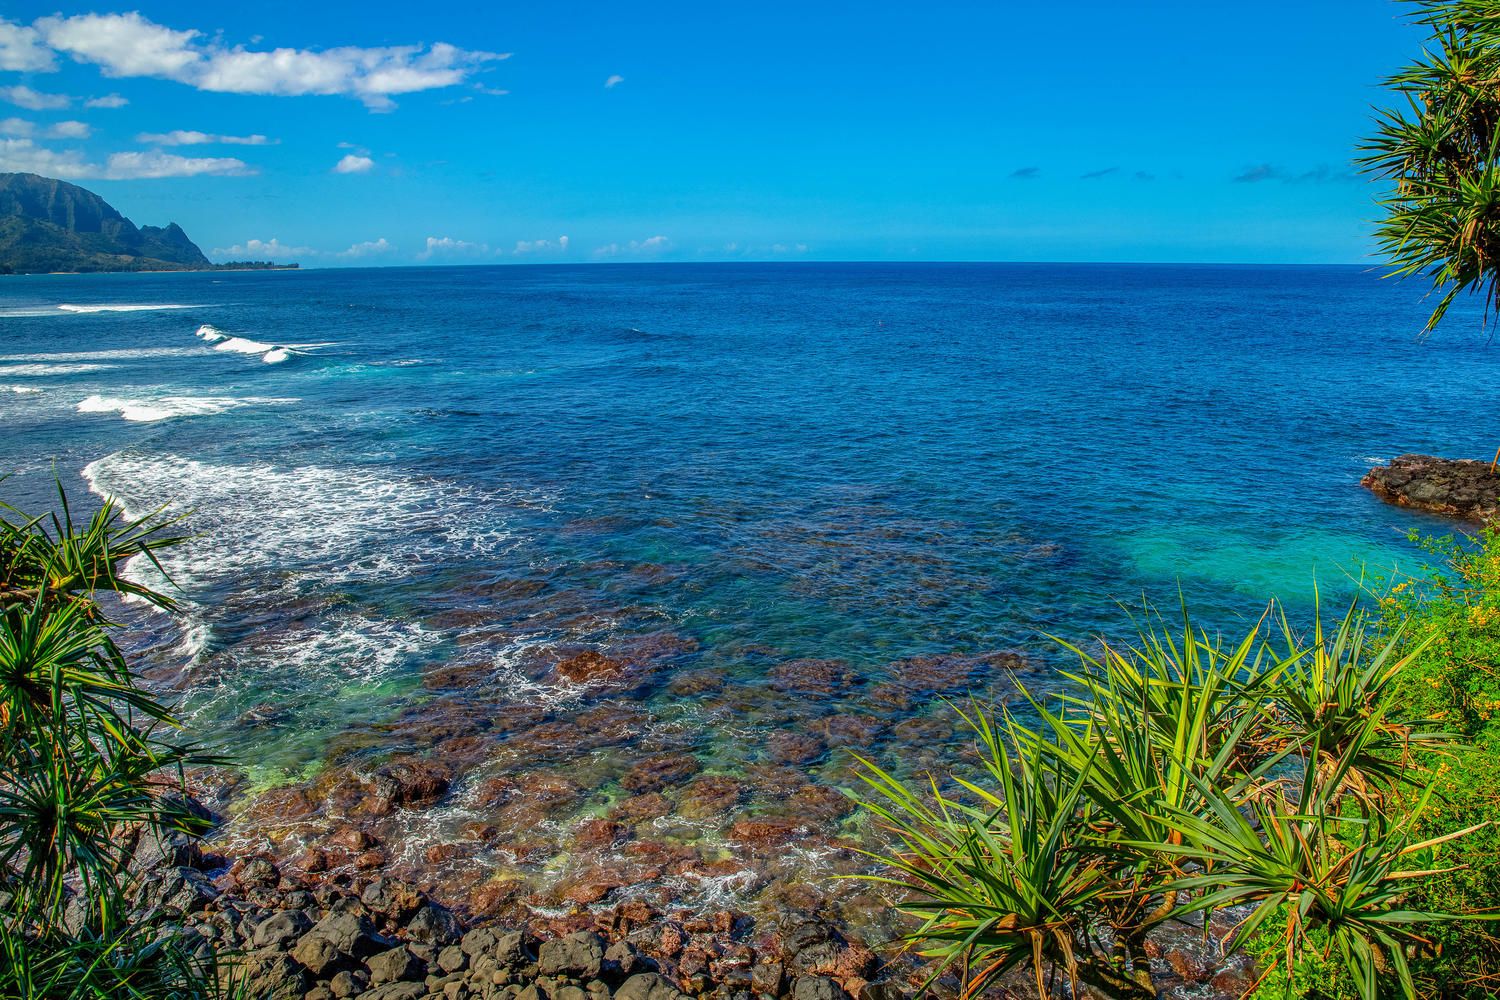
1461, 488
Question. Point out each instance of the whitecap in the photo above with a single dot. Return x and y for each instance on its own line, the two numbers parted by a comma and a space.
24, 390
271, 354
44, 371
243, 345
122, 307
164, 407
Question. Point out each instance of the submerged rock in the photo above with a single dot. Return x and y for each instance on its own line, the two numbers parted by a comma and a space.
1457, 487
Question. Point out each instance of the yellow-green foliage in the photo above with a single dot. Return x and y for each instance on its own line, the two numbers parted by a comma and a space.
1457, 680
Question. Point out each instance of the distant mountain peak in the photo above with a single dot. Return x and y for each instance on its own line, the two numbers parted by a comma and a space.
50, 225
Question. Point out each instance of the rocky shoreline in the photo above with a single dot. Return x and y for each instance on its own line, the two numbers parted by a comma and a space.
386, 940
1455, 487
283, 936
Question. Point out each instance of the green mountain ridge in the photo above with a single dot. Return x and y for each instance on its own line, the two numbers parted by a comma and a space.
50, 225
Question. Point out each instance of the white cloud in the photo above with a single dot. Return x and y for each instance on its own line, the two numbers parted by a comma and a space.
69, 130
614, 81
369, 248
25, 97
22, 51
272, 249
107, 101
446, 246
524, 247
60, 130
22, 155
352, 164
25, 157
131, 166
126, 45
647, 247
182, 137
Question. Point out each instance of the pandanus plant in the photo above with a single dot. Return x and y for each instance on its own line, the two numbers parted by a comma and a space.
1178, 776
87, 763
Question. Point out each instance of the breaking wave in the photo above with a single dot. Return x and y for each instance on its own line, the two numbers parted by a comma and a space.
165, 407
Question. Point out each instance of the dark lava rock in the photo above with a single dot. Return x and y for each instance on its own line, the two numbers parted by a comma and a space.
345, 985
621, 959
157, 849
182, 891
319, 954
280, 929
433, 924
267, 974
394, 966
392, 898
817, 988
396, 991
580, 955
1461, 488
648, 986
408, 783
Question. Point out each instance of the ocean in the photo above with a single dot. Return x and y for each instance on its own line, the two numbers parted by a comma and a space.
791, 507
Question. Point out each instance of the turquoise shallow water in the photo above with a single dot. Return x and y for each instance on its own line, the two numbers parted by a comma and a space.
416, 491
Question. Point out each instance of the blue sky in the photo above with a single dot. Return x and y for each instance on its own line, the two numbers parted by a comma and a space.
397, 134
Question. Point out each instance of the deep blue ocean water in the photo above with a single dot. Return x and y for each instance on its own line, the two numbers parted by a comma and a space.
715, 469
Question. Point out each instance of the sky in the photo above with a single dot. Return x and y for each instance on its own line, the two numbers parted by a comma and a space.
369, 133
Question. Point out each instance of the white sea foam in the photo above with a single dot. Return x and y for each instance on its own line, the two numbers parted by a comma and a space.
311, 526
276, 355
116, 354
49, 371
163, 407
122, 307
327, 656
24, 390
210, 333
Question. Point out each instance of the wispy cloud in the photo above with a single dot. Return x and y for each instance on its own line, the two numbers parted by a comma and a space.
1026, 173
1320, 174
369, 248
130, 45
20, 127
352, 164
186, 137
151, 165
650, 246
107, 101
32, 100
447, 246
68, 130
614, 80
526, 247
23, 155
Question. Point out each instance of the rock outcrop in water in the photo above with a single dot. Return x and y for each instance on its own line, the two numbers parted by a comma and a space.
1461, 488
